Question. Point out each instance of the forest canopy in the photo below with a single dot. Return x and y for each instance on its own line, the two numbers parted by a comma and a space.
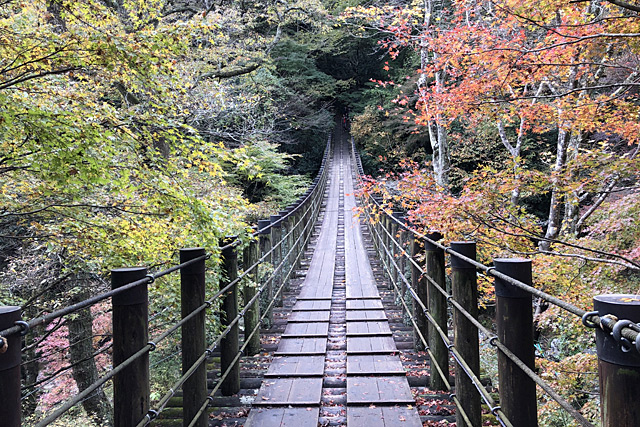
130, 129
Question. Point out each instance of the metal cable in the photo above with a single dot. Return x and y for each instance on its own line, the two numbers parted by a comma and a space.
561, 401
93, 300
164, 401
224, 375
463, 364
80, 396
238, 355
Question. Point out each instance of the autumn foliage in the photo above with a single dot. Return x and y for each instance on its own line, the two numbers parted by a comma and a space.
529, 110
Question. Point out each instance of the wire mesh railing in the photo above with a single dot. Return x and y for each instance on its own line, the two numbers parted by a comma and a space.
414, 264
277, 243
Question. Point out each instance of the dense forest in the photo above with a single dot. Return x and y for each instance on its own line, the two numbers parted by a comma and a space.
130, 129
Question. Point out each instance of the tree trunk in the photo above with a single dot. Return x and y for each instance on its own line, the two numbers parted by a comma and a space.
437, 132
572, 202
30, 372
557, 193
81, 357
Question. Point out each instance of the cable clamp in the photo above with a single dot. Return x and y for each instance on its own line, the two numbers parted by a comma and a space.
450, 346
488, 271
153, 345
208, 256
452, 396
152, 414
4, 345
207, 303
151, 278
625, 344
586, 319
495, 410
210, 399
24, 326
493, 341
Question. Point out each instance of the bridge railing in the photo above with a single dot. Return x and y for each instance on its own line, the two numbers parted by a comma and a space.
414, 264
278, 242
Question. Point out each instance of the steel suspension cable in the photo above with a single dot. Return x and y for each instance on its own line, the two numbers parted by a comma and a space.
495, 409
493, 340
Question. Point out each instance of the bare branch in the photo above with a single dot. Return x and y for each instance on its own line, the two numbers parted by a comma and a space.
624, 5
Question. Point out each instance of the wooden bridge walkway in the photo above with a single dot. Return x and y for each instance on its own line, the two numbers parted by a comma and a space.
338, 304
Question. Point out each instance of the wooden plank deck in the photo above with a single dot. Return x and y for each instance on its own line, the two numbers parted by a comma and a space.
377, 391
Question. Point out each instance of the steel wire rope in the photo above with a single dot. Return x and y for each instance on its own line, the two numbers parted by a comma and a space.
150, 346
150, 278
246, 272
273, 248
323, 177
425, 343
165, 399
224, 375
80, 396
493, 338
247, 339
495, 410
496, 343
465, 367
93, 300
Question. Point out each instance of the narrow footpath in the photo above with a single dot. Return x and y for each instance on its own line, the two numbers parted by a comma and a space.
337, 362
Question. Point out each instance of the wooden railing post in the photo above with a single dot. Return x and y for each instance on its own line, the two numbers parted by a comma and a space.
264, 242
276, 235
192, 295
130, 319
393, 249
619, 370
252, 316
465, 292
10, 359
514, 324
419, 285
308, 217
286, 247
405, 270
387, 251
295, 226
230, 344
434, 263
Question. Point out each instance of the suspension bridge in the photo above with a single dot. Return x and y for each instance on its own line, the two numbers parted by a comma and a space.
339, 319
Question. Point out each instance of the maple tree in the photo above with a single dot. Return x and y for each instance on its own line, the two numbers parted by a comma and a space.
554, 84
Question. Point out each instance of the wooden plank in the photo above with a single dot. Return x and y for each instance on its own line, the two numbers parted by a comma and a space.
309, 316
383, 416
356, 291
378, 390
313, 292
366, 315
311, 305
364, 304
371, 345
368, 328
299, 330
283, 417
374, 365
299, 366
289, 391
302, 346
